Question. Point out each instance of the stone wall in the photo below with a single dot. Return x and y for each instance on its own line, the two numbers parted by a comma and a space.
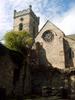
6, 72
26, 22
55, 48
9, 60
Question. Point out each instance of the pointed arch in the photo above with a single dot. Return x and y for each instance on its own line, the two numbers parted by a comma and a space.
20, 26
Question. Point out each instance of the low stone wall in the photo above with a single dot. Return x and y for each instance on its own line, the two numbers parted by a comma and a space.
9, 60
14, 73
6, 73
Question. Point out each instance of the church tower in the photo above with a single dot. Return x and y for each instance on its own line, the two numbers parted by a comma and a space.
26, 20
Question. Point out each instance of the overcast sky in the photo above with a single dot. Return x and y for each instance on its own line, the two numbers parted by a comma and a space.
60, 12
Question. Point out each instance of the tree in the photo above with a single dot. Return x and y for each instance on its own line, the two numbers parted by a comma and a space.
18, 40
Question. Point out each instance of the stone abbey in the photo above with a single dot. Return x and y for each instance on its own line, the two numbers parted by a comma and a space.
60, 49
57, 57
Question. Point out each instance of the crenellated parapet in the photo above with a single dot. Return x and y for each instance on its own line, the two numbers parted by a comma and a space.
21, 13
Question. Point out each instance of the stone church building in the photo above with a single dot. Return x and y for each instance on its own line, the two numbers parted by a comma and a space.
57, 48
60, 49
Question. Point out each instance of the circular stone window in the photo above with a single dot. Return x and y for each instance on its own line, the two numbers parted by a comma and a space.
48, 36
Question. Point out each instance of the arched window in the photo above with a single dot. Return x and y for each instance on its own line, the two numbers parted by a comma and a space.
20, 26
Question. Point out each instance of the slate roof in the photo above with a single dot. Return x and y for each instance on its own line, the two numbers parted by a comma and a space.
72, 36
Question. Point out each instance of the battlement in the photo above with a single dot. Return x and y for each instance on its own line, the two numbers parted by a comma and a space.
21, 13
24, 12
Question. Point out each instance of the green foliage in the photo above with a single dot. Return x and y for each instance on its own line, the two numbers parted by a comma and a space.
16, 40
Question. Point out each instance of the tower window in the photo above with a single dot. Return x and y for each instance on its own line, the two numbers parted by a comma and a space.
21, 19
20, 26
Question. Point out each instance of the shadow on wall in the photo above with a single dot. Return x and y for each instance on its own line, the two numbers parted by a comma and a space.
69, 54
10, 66
42, 59
42, 72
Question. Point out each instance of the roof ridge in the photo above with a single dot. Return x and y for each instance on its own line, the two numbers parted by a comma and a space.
69, 38
53, 25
